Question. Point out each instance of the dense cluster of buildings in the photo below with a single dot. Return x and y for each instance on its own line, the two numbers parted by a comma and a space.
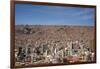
52, 51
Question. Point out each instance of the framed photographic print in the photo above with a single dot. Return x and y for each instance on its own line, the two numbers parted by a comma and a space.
50, 34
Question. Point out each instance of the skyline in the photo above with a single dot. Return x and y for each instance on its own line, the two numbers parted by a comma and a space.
53, 15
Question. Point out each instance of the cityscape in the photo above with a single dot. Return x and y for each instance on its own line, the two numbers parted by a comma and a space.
42, 44
53, 35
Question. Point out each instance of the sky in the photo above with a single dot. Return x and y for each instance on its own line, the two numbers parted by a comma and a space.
53, 15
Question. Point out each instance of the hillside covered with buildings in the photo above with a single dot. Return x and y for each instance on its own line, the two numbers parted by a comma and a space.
42, 44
